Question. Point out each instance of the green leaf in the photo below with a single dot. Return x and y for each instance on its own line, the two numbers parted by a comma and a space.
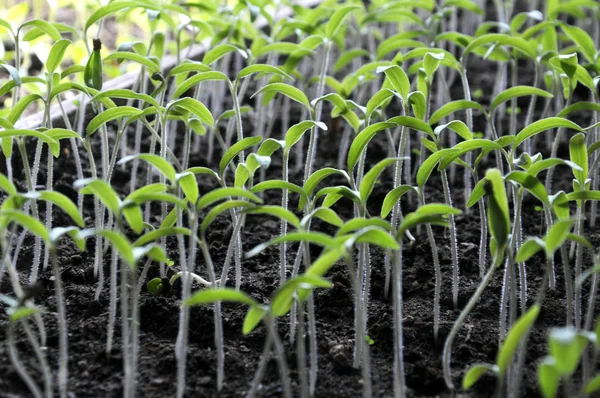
295, 133
235, 149
325, 261
397, 78
189, 66
429, 164
194, 106
498, 215
475, 372
377, 237
578, 107
515, 92
14, 73
454, 106
56, 55
529, 248
155, 286
361, 222
285, 295
209, 296
152, 251
203, 170
584, 195
160, 233
219, 51
157, 162
7, 186
458, 126
548, 378
133, 214
21, 105
289, 91
189, 186
379, 99
579, 156
44, 26
517, 333
336, 20
26, 221
393, 197
501, 39
253, 318
197, 79
557, 235
464, 4
102, 190
568, 63
317, 238
362, 139
22, 313
566, 346
73, 232
109, 115
262, 69
311, 183
324, 214
543, 125
431, 62
279, 184
114, 7
544, 164
530, 183
225, 193
368, 181
126, 94
52, 143
346, 57
278, 212
60, 200
593, 385
152, 66
219, 209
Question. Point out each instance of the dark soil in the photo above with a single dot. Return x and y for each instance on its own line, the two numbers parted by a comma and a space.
93, 374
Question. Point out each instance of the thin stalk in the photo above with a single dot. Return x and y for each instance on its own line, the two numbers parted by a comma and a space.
447, 354
301, 354
312, 145
283, 224
399, 380
453, 239
469, 121
262, 365
568, 285
438, 274
280, 357
578, 263
18, 366
182, 335
63, 346
556, 143
128, 374
112, 306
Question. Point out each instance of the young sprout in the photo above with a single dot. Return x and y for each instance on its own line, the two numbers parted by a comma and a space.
499, 227
281, 302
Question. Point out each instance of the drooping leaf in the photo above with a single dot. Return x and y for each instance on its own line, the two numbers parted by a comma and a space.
514, 337
209, 296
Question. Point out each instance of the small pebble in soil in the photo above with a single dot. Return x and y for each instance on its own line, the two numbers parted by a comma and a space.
341, 354
205, 380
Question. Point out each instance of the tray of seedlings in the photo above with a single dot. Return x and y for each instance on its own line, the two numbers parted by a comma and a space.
268, 198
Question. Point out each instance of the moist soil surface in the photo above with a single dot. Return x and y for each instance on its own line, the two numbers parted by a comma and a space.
93, 373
